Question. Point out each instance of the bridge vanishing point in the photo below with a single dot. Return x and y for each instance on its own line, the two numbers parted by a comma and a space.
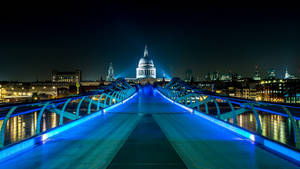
146, 127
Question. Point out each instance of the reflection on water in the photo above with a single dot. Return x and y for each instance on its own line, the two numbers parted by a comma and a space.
275, 127
23, 126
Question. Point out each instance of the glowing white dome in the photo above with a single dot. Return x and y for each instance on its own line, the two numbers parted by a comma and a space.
144, 61
146, 68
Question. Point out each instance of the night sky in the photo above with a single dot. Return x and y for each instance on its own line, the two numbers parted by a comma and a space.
35, 40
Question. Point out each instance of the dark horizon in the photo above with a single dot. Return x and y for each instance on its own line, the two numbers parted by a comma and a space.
34, 41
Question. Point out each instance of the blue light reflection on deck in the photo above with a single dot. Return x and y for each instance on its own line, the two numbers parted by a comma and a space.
9, 151
227, 126
42, 138
118, 104
283, 150
290, 153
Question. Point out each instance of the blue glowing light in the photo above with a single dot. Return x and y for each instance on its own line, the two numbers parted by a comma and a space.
290, 153
17, 148
42, 138
226, 125
281, 149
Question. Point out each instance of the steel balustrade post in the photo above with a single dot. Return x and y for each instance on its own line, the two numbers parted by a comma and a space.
233, 111
111, 97
188, 99
121, 95
61, 118
172, 95
205, 104
90, 104
117, 96
218, 108
191, 101
258, 123
99, 101
295, 127
177, 95
38, 122
105, 101
78, 107
198, 104
3, 127
206, 107
185, 100
126, 93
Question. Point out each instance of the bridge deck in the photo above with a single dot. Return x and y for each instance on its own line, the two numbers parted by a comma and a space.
147, 132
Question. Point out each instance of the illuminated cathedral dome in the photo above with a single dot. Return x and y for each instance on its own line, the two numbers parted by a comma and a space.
146, 68
146, 61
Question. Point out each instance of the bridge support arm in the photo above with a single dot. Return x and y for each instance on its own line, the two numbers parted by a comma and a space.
233, 112
61, 119
258, 123
38, 123
295, 127
4, 123
218, 108
78, 107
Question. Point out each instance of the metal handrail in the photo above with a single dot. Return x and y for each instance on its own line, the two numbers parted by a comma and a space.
52, 105
176, 88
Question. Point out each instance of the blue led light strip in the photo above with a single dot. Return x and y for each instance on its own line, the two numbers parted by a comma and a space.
285, 151
42, 138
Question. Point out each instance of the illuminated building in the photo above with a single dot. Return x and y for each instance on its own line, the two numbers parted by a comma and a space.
110, 74
226, 77
188, 75
68, 77
212, 76
272, 74
0, 92
256, 74
288, 76
292, 94
23, 91
146, 68
272, 90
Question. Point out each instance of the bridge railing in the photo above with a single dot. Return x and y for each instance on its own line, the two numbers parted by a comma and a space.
21, 121
278, 122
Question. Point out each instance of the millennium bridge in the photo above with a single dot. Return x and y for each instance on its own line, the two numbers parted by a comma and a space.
170, 126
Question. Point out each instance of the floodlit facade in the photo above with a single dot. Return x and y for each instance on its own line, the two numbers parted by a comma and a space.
110, 74
67, 77
146, 68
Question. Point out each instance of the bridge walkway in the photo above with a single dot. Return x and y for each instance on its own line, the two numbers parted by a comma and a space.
147, 132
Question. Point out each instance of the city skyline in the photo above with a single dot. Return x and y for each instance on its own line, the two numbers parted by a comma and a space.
36, 41
149, 84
